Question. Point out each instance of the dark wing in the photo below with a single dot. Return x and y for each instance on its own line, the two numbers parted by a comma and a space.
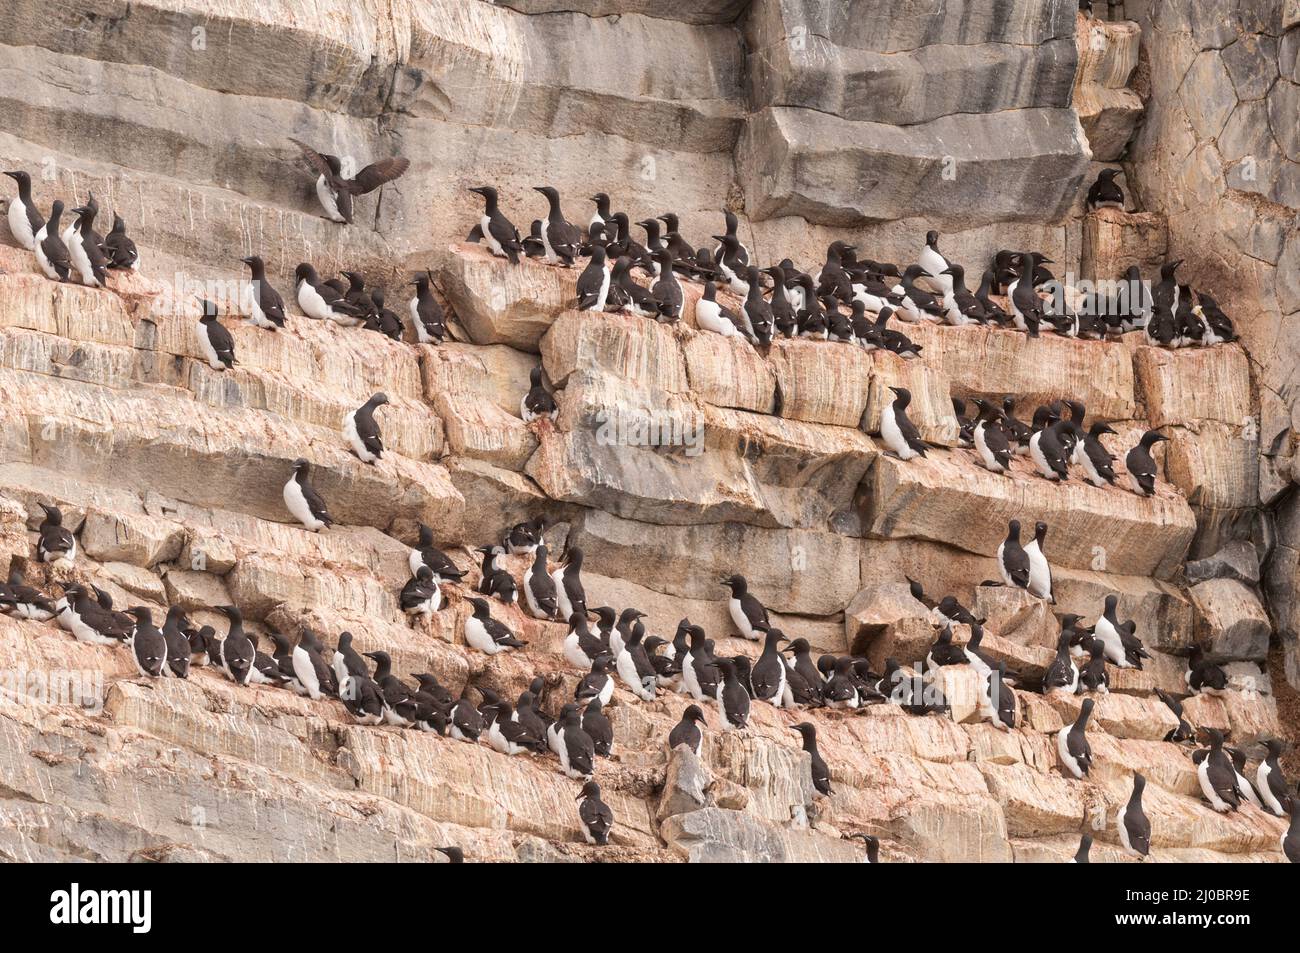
315, 503
430, 314
969, 305
504, 232
668, 293
56, 252
925, 301
1139, 829
765, 680
753, 609
1100, 458
415, 592
540, 401
467, 718
1027, 299
271, 303
543, 589
1223, 778
582, 752
105, 622
222, 343
500, 634
995, 438
56, 539
1058, 674
592, 277
1015, 559
368, 431
821, 775
597, 817
909, 431
565, 238
121, 250
376, 174
314, 159
1142, 467
1277, 786
1079, 749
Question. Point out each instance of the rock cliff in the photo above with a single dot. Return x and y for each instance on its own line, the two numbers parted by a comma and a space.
677, 457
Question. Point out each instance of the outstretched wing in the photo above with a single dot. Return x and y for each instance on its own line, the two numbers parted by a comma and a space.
376, 174
314, 159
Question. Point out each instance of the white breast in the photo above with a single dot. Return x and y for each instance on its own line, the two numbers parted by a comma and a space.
1040, 576
476, 636
892, 435
354, 439
41, 258
296, 503
312, 304
80, 260
207, 350
492, 243
709, 317
561, 597
20, 226
328, 200
306, 672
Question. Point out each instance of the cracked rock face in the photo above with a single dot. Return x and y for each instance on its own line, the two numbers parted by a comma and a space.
677, 456
1222, 82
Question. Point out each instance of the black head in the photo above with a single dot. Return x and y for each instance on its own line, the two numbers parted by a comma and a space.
589, 790
807, 729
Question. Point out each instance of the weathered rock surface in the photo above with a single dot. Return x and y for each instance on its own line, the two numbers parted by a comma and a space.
1108, 110
889, 115
806, 121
